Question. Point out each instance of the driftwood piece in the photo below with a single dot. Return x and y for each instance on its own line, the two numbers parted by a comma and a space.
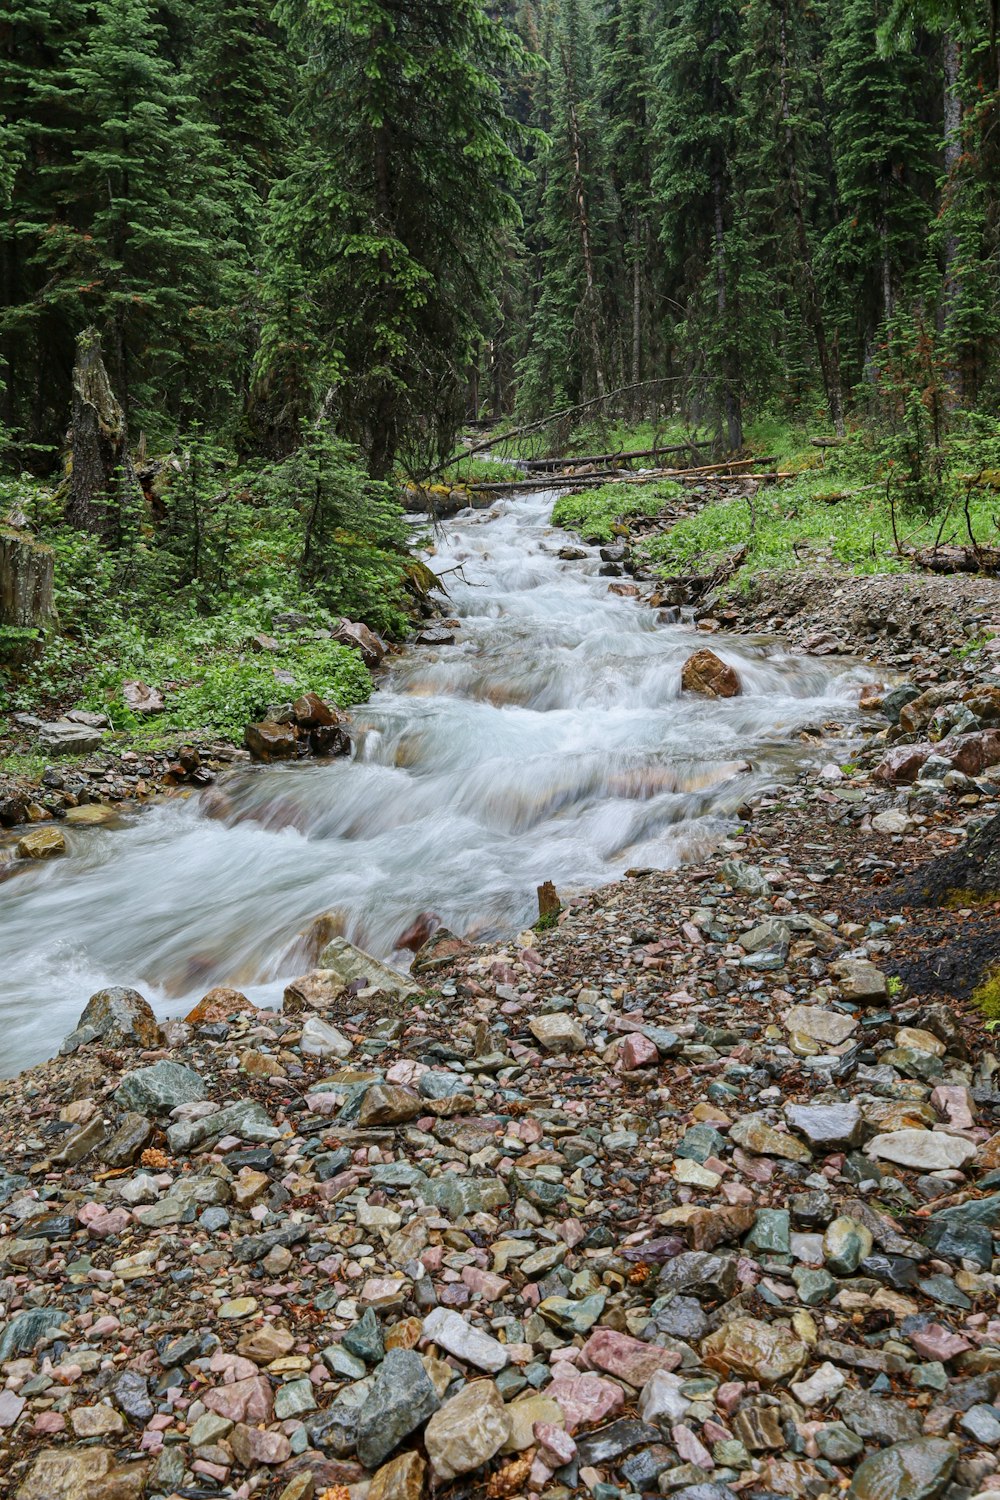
102, 476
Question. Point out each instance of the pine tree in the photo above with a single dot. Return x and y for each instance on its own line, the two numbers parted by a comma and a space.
396, 211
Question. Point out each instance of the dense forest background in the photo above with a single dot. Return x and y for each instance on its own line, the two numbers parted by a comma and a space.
388, 214
259, 264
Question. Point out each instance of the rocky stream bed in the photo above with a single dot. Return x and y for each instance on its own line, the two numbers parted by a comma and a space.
693, 1192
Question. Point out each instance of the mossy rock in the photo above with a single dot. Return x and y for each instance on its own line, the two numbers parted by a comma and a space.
986, 996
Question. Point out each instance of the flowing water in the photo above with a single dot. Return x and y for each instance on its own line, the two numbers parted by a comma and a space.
550, 742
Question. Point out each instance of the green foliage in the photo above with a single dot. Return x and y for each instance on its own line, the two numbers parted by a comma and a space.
596, 513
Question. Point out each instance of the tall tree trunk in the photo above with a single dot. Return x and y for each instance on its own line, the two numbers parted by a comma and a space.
591, 309
952, 64
730, 396
102, 477
829, 362
637, 303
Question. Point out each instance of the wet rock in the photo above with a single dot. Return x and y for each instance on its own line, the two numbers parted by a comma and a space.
700, 1274
353, 633
401, 1478
82, 1474
706, 674
755, 1134
21, 1334
41, 843
268, 741
918, 1469
400, 1401
628, 1358
118, 1018
384, 1104
467, 1431
441, 949
310, 711
220, 1004
846, 1243
760, 1351
160, 1088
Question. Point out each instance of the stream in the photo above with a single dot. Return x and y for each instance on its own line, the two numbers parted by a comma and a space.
550, 742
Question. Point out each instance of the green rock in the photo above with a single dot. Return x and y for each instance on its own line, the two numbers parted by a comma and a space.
813, 1287
294, 1399
838, 1443
771, 1231
845, 1245
699, 1143
459, 1196
364, 1340
570, 1316
160, 1088
918, 1469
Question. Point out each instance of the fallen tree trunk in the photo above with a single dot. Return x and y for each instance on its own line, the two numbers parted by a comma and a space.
735, 469
607, 458
950, 559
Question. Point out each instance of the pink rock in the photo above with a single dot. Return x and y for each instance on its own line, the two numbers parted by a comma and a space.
973, 753
937, 1342
11, 1407
243, 1401
254, 1445
485, 1283
901, 764
232, 1366
584, 1398
729, 1395
637, 1051
956, 1103
49, 1422
104, 1326
210, 1471
628, 1358
105, 1222
690, 1447
555, 1446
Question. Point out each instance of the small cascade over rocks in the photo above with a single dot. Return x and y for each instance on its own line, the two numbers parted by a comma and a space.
544, 736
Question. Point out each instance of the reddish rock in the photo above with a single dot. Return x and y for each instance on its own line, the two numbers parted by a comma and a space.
353, 633
441, 949
218, 1005
708, 674
628, 1358
584, 1398
329, 739
268, 741
972, 754
243, 1401
311, 711
637, 1051
253, 1445
420, 930
901, 764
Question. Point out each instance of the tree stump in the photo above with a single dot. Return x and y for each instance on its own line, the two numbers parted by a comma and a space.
25, 590
102, 478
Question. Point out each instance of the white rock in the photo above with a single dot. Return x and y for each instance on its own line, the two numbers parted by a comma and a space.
320, 1039
558, 1033
893, 821
924, 1150
828, 1026
661, 1397
449, 1329
141, 1189
822, 1385
467, 1431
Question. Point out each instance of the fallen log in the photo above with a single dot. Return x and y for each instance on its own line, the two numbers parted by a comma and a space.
951, 559
531, 464
617, 476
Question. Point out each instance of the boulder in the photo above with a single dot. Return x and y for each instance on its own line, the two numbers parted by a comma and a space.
400, 1401
922, 1150
140, 699
917, 1469
759, 1351
160, 1088
119, 1018
310, 711
316, 990
707, 674
268, 741
900, 765
41, 843
219, 1005
558, 1033
353, 633
66, 738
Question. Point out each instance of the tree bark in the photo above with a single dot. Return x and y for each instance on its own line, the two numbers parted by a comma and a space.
102, 476
829, 363
25, 587
583, 226
637, 303
730, 398
952, 63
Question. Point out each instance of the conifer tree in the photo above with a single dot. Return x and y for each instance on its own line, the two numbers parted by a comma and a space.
396, 210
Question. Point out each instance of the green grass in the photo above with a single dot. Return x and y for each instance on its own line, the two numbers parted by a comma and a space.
852, 524
478, 471
599, 514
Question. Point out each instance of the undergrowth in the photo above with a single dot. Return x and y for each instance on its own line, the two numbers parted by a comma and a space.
596, 513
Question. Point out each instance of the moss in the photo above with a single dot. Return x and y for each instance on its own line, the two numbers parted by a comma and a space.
986, 996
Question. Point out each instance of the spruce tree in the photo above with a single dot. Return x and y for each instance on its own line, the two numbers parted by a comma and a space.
396, 213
